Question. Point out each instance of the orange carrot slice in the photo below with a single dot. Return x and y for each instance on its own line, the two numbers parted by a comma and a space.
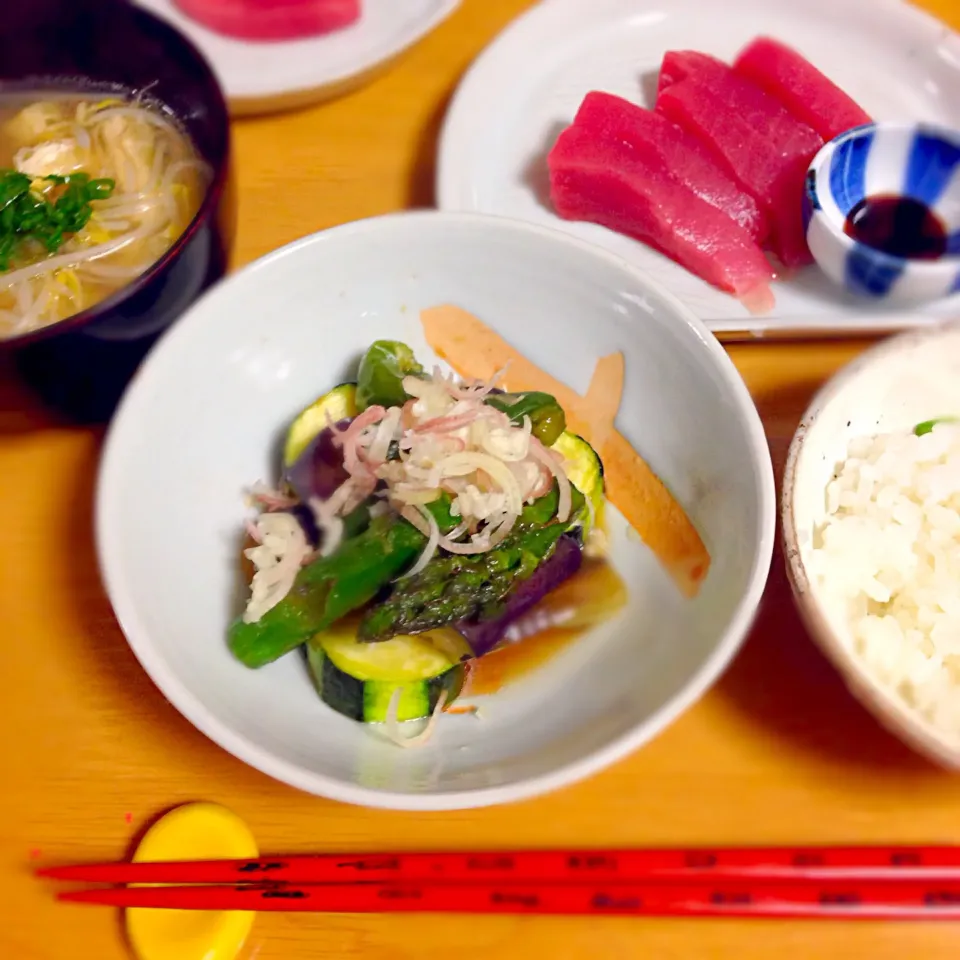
460, 338
646, 504
603, 397
475, 351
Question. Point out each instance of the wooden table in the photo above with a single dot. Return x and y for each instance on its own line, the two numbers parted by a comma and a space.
90, 751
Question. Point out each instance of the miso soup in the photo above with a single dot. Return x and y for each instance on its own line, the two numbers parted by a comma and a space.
94, 190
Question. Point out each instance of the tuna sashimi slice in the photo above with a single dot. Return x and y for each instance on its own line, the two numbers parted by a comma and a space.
679, 65
755, 140
605, 182
690, 162
810, 96
269, 20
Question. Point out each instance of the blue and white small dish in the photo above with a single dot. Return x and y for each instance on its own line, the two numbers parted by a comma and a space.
904, 179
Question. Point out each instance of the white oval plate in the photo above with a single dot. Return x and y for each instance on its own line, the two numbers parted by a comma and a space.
263, 77
896, 61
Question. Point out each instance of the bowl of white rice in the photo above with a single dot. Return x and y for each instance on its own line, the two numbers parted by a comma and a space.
871, 528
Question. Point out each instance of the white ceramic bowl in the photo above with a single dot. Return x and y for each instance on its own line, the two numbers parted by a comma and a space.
891, 387
203, 419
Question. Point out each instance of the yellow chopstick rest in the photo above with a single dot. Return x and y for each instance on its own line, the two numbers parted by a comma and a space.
195, 831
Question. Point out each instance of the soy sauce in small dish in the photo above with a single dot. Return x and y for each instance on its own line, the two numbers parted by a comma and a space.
900, 226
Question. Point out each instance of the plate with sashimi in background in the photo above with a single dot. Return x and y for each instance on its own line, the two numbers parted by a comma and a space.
265, 76
896, 61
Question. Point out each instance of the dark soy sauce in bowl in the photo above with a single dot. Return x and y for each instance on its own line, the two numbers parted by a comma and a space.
900, 226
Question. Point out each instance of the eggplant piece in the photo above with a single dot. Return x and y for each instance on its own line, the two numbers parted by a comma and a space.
308, 523
319, 469
566, 559
354, 523
340, 403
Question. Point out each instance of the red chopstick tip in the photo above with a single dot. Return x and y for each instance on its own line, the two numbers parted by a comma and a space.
86, 896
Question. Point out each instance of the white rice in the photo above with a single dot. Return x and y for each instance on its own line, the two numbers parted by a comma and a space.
887, 558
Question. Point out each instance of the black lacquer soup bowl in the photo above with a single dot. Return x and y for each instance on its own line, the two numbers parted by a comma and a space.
81, 365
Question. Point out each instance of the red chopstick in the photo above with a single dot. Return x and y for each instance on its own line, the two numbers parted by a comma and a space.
934, 863
889, 900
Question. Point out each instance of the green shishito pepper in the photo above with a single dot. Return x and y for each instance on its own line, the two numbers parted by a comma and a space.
381, 373
387, 362
547, 419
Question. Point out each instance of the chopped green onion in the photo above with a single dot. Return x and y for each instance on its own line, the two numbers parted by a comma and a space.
26, 215
927, 426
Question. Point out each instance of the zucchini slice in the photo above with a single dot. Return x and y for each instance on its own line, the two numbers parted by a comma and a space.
339, 403
360, 679
585, 471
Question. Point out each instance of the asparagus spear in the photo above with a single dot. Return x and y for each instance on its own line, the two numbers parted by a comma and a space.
453, 587
328, 589
333, 586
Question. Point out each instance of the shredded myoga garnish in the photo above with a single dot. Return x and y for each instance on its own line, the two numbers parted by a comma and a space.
418, 518
447, 440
